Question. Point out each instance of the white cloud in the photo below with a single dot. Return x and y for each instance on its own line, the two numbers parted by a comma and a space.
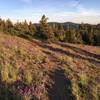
80, 14
86, 16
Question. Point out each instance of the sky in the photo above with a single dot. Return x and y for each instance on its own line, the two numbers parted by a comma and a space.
78, 11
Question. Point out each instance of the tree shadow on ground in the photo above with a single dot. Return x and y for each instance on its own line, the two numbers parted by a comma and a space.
61, 89
79, 50
59, 50
8, 93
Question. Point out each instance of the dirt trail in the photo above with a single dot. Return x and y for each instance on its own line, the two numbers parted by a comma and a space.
61, 89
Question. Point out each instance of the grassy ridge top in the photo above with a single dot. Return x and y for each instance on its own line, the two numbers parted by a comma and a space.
48, 71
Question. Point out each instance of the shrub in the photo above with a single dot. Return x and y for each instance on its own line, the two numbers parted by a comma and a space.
83, 79
28, 76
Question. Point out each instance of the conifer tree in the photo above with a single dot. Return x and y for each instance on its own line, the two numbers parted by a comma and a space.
61, 33
8, 26
25, 27
45, 31
32, 29
2, 25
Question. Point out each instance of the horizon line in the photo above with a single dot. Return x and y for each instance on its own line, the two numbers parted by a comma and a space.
22, 20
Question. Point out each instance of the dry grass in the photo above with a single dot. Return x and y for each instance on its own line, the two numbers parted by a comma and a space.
35, 69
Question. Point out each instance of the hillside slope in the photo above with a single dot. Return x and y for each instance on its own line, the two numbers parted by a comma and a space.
35, 70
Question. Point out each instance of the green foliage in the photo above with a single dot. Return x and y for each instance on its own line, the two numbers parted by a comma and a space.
28, 76
83, 33
8, 74
44, 30
61, 33
83, 79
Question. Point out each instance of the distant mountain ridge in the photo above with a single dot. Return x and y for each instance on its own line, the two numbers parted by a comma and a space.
68, 24
65, 24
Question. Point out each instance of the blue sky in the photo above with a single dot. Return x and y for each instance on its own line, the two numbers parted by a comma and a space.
87, 11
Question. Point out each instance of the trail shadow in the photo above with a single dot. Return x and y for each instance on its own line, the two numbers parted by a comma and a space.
81, 51
8, 93
61, 89
46, 46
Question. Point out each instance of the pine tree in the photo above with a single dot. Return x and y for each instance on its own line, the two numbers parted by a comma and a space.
2, 25
32, 29
25, 27
8, 26
61, 33
45, 31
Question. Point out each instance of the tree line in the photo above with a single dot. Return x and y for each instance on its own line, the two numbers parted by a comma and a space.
82, 33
